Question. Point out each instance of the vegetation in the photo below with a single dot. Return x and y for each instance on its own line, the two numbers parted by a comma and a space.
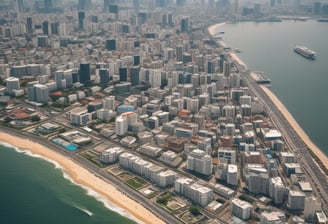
7, 119
35, 118
246, 198
164, 199
194, 210
135, 183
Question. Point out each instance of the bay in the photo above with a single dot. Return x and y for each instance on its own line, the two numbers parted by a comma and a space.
301, 84
33, 190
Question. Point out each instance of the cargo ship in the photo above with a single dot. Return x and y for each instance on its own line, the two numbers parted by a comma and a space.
305, 52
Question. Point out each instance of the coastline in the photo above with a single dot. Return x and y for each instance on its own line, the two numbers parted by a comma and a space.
83, 177
315, 150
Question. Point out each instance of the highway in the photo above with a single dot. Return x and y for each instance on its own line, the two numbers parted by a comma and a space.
293, 141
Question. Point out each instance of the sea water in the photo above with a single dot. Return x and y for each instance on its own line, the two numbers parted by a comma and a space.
300, 83
33, 190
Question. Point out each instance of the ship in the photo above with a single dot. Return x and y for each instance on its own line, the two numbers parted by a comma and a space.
305, 52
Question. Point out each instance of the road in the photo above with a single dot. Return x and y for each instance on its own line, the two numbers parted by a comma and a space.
292, 139
103, 174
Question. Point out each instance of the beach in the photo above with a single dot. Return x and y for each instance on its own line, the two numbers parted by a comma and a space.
323, 158
83, 177
296, 126
212, 30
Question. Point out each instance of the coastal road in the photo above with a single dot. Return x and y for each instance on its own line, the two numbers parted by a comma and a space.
293, 141
102, 174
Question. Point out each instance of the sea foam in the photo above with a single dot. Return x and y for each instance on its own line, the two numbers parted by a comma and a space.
108, 204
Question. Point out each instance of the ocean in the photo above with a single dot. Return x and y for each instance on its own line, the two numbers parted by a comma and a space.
34, 190
300, 84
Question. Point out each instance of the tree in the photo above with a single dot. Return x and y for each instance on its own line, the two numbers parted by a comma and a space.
194, 210
35, 118
8, 119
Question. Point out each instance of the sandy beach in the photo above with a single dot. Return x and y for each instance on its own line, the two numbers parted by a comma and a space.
278, 103
84, 177
296, 127
212, 28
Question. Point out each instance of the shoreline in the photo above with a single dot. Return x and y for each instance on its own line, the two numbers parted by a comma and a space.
314, 149
305, 138
82, 177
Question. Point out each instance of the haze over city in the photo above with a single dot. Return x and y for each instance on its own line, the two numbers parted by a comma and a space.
158, 111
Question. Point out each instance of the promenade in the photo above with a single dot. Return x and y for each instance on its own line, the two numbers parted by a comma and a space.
86, 174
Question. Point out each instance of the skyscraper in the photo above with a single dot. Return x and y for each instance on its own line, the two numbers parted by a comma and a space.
226, 68
45, 27
110, 45
136, 5
85, 74
104, 76
134, 76
123, 73
29, 25
106, 5
21, 6
81, 17
54, 28
48, 4
84, 5
184, 25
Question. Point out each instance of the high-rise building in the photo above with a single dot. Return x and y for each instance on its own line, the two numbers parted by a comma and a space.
136, 60
43, 41
21, 6
257, 10
29, 25
317, 8
136, 5
123, 121
94, 19
59, 79
41, 93
179, 52
135, 76
81, 17
54, 28
199, 162
45, 28
295, 200
110, 44
84, 5
184, 25
277, 190
106, 5
226, 68
109, 103
104, 76
12, 84
123, 73
197, 193
111, 155
48, 4
228, 154
232, 174
241, 209
311, 205
85, 74
211, 67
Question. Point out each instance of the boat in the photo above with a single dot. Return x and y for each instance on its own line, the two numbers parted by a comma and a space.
305, 52
323, 20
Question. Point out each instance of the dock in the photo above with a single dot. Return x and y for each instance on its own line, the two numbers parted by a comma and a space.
260, 77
